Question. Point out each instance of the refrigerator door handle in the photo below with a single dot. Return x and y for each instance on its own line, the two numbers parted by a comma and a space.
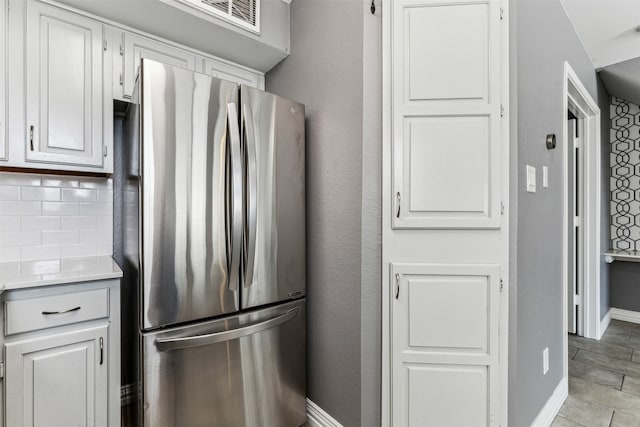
235, 207
251, 195
216, 337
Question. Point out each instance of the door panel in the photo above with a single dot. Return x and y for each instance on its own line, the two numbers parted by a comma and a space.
462, 62
447, 395
572, 289
447, 114
278, 252
250, 380
185, 272
445, 335
447, 157
64, 87
58, 380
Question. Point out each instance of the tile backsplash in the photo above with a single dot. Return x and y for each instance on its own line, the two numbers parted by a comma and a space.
49, 216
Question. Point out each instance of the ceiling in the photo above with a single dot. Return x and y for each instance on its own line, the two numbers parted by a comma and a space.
606, 28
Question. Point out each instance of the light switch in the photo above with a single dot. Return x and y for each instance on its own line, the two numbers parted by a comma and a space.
545, 177
531, 179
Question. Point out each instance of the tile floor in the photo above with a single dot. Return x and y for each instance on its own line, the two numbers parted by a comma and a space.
604, 380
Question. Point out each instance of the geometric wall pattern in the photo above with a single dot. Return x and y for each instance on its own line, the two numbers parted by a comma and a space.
625, 175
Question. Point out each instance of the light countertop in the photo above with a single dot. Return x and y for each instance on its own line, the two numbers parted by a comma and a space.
30, 274
621, 255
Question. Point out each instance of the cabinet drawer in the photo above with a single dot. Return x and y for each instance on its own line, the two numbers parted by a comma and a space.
31, 314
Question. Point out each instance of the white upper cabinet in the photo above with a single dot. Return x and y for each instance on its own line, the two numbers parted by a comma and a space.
234, 74
228, 33
447, 115
64, 87
3, 80
135, 47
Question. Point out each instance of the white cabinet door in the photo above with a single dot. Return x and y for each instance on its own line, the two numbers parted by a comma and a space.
136, 47
58, 380
445, 249
64, 87
228, 72
3, 79
445, 339
447, 114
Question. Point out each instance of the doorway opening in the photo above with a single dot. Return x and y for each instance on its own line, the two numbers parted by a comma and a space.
581, 191
576, 213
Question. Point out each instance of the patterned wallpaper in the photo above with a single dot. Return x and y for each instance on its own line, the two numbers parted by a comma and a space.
625, 175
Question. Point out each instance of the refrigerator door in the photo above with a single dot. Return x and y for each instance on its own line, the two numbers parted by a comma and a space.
242, 371
191, 196
274, 231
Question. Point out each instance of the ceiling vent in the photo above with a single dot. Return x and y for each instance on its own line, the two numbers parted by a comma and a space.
243, 13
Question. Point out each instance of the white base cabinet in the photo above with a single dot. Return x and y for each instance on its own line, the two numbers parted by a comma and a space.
62, 355
58, 380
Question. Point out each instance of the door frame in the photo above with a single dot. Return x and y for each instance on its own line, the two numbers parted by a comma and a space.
576, 97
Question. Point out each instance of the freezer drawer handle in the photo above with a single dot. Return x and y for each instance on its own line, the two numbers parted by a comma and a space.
216, 337
69, 310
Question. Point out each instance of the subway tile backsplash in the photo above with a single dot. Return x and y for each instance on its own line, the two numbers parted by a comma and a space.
46, 217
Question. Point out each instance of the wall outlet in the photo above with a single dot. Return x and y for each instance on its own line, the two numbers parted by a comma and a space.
545, 361
531, 179
545, 177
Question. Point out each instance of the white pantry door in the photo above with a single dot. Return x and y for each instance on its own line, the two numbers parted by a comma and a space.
445, 218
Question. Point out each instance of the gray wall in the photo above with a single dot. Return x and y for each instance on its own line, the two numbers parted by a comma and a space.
542, 39
625, 286
325, 72
371, 306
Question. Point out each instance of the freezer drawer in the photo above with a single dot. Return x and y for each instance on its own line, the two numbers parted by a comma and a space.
242, 371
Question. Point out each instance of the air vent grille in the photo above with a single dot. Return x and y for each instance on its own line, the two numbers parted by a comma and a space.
244, 13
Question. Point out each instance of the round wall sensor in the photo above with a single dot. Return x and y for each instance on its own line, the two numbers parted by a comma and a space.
551, 141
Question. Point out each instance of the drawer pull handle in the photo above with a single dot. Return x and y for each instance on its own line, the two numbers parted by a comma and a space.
62, 311
101, 350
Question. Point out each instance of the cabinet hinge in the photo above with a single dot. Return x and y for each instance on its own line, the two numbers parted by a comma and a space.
501, 13
104, 45
501, 208
105, 150
501, 285
1, 369
501, 110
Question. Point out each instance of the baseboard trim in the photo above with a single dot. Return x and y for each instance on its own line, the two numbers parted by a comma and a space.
553, 405
604, 324
317, 417
625, 315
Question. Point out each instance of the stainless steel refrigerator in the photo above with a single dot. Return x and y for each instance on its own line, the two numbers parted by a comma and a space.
214, 229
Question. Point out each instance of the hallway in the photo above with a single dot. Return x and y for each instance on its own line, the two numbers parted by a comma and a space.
604, 380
